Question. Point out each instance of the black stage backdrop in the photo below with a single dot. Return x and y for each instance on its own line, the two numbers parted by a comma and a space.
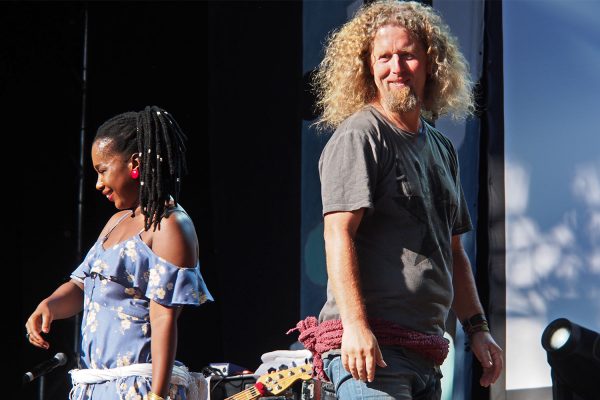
230, 73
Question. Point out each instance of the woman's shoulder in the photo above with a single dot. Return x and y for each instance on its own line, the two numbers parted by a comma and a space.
177, 219
175, 238
113, 221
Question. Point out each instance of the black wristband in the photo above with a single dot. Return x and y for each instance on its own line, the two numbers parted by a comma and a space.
476, 323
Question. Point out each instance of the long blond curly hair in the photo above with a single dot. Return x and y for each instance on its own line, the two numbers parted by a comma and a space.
343, 82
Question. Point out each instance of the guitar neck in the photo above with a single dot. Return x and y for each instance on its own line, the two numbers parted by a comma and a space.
248, 394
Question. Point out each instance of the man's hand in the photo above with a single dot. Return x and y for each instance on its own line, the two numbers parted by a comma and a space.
489, 355
360, 352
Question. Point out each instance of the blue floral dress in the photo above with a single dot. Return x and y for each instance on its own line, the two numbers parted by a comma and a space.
119, 283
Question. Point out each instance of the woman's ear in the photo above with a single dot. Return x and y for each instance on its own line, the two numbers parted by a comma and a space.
134, 161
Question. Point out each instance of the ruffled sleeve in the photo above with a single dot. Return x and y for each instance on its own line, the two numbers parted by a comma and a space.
83, 270
170, 285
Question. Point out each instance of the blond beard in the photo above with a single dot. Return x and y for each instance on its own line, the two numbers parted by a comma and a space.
402, 100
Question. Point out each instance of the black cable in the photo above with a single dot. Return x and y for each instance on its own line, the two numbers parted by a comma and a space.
208, 371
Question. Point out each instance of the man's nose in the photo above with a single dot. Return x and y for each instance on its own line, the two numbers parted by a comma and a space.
397, 64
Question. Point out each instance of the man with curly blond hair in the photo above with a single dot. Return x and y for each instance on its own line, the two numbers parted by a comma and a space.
393, 207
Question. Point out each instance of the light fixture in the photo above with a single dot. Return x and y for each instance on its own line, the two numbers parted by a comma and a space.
573, 353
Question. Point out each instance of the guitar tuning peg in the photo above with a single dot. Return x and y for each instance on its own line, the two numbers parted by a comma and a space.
294, 364
271, 370
282, 367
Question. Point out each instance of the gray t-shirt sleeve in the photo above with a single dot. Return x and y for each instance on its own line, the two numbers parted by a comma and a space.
462, 222
348, 171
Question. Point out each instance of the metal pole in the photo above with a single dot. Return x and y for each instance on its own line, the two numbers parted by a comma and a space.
81, 166
41, 384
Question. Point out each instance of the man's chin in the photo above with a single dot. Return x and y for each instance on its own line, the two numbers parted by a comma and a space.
404, 106
401, 100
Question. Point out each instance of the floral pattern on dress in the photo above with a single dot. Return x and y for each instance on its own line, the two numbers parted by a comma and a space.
124, 360
119, 283
129, 250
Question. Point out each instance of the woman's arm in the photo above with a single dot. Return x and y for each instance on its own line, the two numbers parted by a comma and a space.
163, 322
65, 302
175, 241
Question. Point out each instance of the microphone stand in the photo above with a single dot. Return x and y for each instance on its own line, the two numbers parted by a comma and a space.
41, 384
81, 162
82, 133
81, 174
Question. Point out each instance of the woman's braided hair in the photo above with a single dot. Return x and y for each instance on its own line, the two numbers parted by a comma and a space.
154, 134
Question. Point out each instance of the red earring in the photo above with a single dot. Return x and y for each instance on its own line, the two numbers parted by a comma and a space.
135, 173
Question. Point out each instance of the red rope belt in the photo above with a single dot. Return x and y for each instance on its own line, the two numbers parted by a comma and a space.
319, 338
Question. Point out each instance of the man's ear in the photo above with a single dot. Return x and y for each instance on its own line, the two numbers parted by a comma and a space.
429, 66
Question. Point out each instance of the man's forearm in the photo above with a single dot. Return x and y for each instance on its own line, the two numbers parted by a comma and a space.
343, 272
466, 300
342, 265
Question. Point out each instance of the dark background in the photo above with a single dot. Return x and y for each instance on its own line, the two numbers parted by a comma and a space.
231, 74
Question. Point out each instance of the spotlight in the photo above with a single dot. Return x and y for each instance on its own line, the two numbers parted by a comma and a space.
573, 353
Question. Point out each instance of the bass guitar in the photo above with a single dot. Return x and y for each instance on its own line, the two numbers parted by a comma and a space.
274, 383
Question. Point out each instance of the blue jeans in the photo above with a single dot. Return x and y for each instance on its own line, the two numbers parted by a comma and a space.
407, 376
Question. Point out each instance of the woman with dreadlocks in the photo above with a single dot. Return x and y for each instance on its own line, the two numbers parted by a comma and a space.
142, 269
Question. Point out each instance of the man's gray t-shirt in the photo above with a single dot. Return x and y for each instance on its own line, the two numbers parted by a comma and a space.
410, 186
